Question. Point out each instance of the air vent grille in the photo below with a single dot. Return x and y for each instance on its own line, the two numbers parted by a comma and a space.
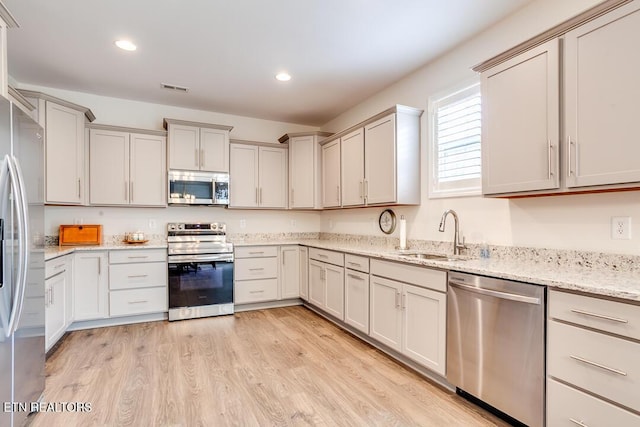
174, 87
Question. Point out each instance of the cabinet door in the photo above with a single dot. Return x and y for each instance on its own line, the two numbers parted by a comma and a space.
243, 176
520, 122
68, 311
317, 284
272, 170
290, 272
331, 174
214, 150
109, 167
425, 327
90, 286
302, 172
148, 170
380, 160
334, 279
356, 295
184, 147
352, 168
55, 302
384, 313
304, 273
64, 146
602, 64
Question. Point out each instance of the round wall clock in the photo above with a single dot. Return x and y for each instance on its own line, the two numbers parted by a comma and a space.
387, 221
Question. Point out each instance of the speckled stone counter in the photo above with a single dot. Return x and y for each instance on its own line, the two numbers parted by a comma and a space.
52, 252
609, 275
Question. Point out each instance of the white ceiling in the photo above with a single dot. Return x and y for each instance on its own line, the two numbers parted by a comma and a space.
227, 52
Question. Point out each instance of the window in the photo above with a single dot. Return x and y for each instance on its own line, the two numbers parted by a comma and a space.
455, 123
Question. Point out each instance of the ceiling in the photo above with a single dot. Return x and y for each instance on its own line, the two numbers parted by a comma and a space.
227, 52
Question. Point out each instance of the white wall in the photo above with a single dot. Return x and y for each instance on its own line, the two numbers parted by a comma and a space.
123, 112
563, 222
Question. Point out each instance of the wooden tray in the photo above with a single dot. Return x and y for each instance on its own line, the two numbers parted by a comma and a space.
135, 242
74, 235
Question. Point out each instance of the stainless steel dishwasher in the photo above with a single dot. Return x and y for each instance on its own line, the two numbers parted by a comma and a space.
496, 344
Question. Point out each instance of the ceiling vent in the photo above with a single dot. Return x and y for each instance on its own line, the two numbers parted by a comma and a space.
174, 87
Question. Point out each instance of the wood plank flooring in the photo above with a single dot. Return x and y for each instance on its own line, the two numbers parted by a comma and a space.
278, 367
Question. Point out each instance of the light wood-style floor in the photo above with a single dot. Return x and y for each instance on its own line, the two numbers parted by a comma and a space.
275, 367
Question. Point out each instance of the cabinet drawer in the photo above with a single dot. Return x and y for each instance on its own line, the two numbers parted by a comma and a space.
256, 251
610, 316
420, 276
565, 404
356, 262
137, 255
144, 275
256, 291
599, 363
331, 257
256, 268
56, 265
137, 301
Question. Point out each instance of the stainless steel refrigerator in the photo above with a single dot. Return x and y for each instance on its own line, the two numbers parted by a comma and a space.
22, 309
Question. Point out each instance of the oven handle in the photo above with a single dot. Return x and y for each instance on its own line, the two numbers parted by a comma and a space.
174, 259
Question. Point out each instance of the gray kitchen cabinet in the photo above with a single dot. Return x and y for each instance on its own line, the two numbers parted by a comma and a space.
289, 271
331, 197
356, 292
58, 290
256, 274
127, 168
352, 168
326, 281
258, 177
90, 285
197, 146
304, 273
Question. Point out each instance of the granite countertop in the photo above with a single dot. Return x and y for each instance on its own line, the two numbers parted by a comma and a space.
554, 273
51, 252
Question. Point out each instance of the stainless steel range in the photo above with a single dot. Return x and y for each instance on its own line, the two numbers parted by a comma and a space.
200, 270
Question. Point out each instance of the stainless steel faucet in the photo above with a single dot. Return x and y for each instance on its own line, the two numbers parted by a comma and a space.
457, 245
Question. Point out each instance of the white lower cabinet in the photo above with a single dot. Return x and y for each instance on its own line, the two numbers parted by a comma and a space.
137, 282
289, 272
408, 318
58, 306
91, 285
256, 274
356, 300
599, 371
304, 273
326, 281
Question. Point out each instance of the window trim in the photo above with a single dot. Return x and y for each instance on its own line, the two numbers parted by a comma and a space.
462, 188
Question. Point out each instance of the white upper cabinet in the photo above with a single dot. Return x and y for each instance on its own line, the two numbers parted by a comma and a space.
521, 122
6, 21
352, 168
564, 120
258, 176
602, 65
305, 178
127, 168
63, 123
198, 146
378, 162
331, 174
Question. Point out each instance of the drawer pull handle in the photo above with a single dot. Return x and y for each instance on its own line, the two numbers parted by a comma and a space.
133, 276
256, 253
256, 269
138, 257
600, 316
139, 302
256, 292
354, 263
353, 276
598, 365
323, 256
59, 266
578, 423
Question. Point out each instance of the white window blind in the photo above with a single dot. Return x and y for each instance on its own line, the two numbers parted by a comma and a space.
456, 140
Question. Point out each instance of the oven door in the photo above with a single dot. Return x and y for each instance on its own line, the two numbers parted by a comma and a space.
200, 280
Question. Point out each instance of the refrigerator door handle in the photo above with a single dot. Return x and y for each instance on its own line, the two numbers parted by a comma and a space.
24, 238
21, 279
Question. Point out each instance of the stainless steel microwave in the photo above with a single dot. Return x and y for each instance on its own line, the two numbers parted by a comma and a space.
198, 188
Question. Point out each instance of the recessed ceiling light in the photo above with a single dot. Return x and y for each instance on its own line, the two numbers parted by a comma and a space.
126, 45
283, 77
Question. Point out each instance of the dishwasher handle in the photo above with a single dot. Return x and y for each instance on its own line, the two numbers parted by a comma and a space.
496, 294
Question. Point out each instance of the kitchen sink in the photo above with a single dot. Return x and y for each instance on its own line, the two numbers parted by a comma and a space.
432, 256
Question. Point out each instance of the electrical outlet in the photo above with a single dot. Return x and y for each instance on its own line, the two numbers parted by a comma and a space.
243, 223
152, 224
293, 223
621, 227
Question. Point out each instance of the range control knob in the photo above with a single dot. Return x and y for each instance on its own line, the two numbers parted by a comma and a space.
214, 226
171, 227
180, 226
